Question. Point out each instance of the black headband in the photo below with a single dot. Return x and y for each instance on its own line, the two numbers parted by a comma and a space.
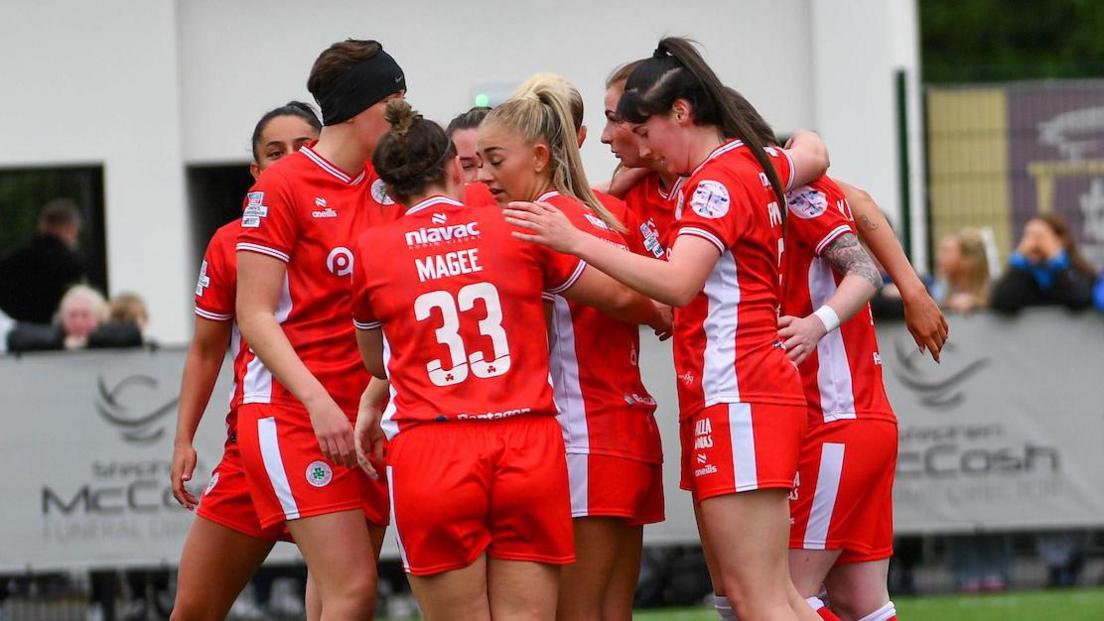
361, 87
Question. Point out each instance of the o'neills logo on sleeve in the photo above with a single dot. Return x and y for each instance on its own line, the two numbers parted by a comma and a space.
428, 236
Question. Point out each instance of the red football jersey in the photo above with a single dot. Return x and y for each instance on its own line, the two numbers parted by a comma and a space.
843, 376
306, 212
459, 300
215, 295
604, 407
476, 194
727, 348
655, 211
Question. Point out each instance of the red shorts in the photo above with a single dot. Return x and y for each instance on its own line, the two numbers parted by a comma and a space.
289, 478
227, 501
739, 447
605, 486
843, 497
460, 488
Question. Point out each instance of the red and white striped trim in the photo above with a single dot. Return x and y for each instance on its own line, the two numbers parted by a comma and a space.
570, 279
398, 535
824, 498
719, 151
431, 201
274, 467
704, 234
675, 187
206, 314
370, 325
330, 168
547, 195
272, 252
793, 171
831, 237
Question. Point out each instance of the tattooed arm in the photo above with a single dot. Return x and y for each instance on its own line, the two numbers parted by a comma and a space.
860, 281
922, 315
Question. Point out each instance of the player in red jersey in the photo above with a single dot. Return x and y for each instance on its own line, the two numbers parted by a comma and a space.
645, 184
454, 319
303, 375
226, 543
614, 453
841, 535
463, 132
741, 402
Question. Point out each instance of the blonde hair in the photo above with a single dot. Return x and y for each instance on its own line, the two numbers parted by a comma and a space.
129, 307
974, 277
76, 292
541, 110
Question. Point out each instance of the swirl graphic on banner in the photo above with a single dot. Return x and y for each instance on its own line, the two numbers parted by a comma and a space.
941, 393
136, 428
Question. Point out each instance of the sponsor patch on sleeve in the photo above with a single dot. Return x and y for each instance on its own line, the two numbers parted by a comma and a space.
807, 203
710, 199
254, 210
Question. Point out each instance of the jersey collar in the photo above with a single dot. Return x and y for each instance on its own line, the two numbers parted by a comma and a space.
547, 195
731, 145
432, 201
322, 163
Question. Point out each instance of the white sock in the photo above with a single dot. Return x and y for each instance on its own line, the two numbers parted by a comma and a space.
724, 608
886, 612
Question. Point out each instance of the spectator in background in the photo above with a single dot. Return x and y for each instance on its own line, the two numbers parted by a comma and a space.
1098, 294
129, 308
81, 323
962, 283
34, 277
1045, 270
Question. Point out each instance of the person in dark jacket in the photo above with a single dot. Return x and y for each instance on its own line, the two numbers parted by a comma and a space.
81, 323
1045, 270
33, 277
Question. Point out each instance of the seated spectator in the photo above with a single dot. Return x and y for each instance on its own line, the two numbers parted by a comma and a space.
81, 323
33, 277
129, 308
962, 283
1046, 269
1098, 294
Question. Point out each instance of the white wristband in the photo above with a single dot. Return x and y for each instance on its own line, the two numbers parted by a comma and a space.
828, 317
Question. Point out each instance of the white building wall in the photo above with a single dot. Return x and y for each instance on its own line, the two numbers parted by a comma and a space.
97, 83
147, 87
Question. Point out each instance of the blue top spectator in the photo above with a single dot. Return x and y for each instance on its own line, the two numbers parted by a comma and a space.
1045, 270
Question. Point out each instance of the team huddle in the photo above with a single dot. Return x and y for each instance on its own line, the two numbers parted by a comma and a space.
439, 330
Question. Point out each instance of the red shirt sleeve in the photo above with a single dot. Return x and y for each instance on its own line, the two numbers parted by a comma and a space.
364, 318
216, 287
783, 166
819, 215
269, 222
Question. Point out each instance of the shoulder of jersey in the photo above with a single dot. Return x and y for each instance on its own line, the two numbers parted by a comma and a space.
806, 202
228, 233
615, 205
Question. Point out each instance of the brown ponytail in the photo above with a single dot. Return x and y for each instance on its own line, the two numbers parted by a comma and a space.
677, 71
412, 155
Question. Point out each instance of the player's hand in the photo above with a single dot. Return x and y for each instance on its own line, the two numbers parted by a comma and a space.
368, 438
926, 323
183, 465
800, 335
625, 179
664, 327
547, 225
333, 431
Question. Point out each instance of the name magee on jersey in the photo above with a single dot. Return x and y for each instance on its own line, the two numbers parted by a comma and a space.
448, 264
441, 234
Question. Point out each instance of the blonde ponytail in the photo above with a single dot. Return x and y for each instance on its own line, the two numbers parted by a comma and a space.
543, 110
